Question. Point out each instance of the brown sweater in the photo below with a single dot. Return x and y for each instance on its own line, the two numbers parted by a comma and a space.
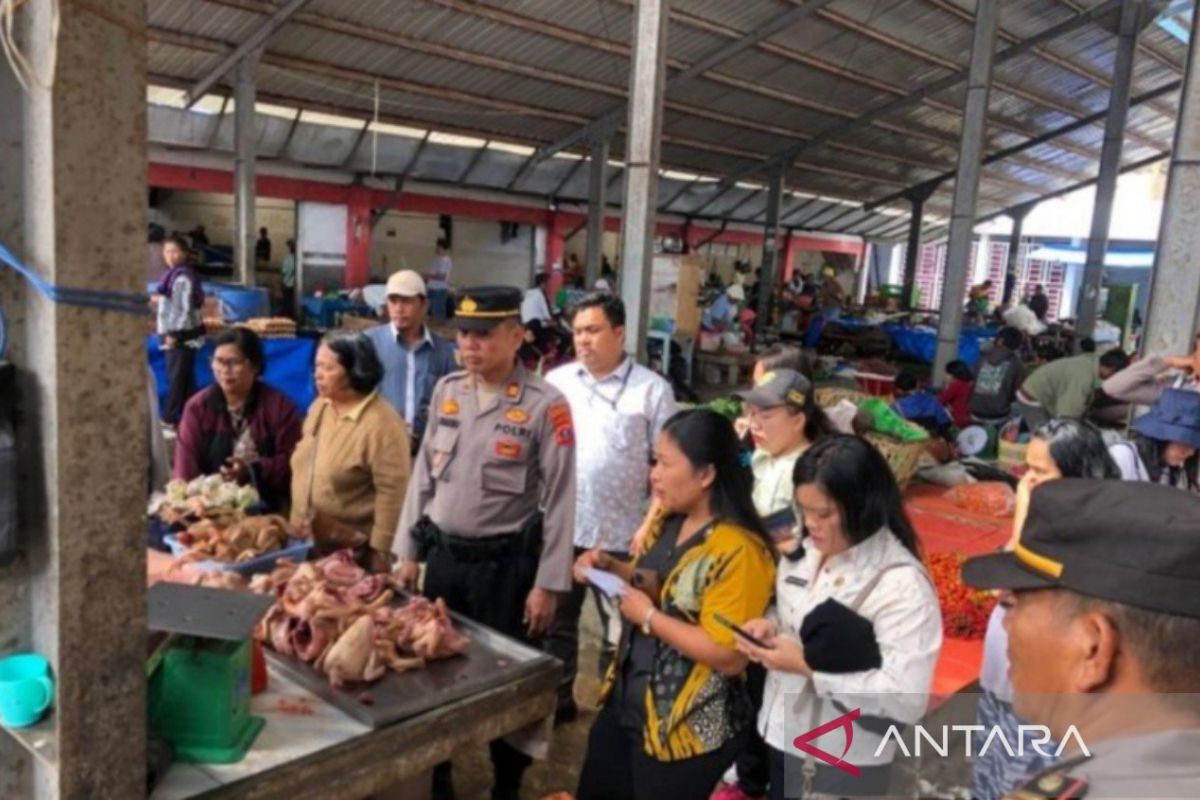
355, 467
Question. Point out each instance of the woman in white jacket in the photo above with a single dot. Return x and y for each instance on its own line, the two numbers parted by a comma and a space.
856, 625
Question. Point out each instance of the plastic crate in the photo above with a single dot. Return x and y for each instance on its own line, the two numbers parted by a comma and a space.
297, 550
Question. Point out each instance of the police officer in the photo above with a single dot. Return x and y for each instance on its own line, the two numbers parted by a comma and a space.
499, 446
1103, 590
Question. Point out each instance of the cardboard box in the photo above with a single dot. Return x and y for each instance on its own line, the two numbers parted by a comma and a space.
675, 292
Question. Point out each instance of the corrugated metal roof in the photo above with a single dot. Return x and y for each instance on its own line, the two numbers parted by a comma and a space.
535, 70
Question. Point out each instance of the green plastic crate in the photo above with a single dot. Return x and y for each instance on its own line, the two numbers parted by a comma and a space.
200, 700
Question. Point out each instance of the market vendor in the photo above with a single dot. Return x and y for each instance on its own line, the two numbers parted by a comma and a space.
353, 463
492, 506
240, 427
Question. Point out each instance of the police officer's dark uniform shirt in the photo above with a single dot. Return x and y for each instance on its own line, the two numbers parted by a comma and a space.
485, 472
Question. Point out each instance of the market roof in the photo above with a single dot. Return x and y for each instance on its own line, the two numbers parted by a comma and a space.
858, 96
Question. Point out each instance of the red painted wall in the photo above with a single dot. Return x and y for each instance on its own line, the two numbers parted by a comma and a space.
361, 200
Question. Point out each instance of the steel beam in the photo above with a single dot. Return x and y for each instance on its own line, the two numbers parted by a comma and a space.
473, 163
524, 169
1174, 312
687, 187
358, 140
251, 45
917, 96
1009, 152
769, 276
416, 156
610, 118
245, 138
1132, 13
571, 173
647, 80
597, 204
966, 185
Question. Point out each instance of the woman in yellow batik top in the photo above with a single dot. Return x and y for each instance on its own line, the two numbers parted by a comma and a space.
675, 709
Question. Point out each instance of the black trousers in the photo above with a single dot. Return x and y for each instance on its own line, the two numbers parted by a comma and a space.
562, 641
753, 768
829, 781
491, 592
617, 768
180, 386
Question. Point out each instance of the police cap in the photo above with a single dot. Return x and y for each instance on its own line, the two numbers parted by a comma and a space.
484, 307
1128, 542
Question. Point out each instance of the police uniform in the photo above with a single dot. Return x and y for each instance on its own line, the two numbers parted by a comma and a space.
1131, 543
490, 508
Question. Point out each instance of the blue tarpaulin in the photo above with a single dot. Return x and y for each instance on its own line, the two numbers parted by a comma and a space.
289, 368
919, 343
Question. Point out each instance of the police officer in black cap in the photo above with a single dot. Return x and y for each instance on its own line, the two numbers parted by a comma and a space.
490, 508
1103, 590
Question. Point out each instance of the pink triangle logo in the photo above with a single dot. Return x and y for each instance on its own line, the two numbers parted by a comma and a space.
846, 723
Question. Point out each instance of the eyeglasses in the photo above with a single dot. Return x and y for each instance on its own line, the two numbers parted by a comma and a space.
231, 364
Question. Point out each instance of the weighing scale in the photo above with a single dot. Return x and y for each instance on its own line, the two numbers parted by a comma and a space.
199, 670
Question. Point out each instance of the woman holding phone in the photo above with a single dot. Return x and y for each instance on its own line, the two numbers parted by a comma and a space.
855, 624
675, 709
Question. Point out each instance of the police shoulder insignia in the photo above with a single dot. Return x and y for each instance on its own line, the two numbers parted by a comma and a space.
517, 415
450, 407
560, 416
512, 391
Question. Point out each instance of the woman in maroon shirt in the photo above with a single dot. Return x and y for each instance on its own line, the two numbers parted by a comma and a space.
240, 427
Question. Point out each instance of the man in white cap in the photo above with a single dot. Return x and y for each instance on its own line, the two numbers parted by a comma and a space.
414, 358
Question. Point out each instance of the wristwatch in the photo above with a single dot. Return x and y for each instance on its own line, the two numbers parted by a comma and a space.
646, 621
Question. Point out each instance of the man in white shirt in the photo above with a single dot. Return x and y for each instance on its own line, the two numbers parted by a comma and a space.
619, 408
438, 279
534, 305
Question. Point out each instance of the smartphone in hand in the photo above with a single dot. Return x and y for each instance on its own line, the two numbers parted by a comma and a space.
741, 632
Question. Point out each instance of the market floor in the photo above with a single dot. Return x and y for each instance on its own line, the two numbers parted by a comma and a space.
473, 770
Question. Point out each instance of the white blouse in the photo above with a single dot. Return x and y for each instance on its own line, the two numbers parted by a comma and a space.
903, 608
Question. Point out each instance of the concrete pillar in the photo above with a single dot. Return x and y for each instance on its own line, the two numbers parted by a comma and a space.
1132, 16
77, 594
912, 254
772, 234
966, 187
1174, 314
555, 243
642, 143
597, 203
358, 238
245, 141
1013, 259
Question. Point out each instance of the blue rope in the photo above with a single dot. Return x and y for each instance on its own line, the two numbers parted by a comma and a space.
123, 302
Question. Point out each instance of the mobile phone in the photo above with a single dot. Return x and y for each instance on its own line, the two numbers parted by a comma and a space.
737, 630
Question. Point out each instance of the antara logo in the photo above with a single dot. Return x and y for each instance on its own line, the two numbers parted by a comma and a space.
1037, 736
803, 742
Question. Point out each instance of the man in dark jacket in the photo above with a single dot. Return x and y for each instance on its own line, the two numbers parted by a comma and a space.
1000, 373
1039, 303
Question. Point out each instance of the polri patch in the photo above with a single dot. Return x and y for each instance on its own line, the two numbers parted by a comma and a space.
517, 415
450, 407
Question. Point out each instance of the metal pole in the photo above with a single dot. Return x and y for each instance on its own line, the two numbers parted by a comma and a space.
642, 142
597, 202
1174, 311
915, 219
245, 143
966, 186
1014, 252
769, 276
1110, 163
